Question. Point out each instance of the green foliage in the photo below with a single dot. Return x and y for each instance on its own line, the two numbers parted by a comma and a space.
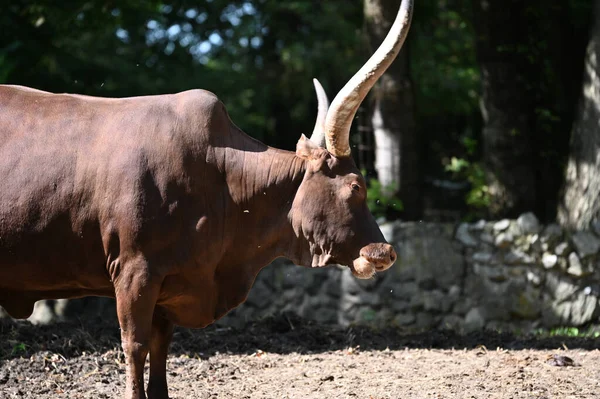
19, 348
443, 62
573, 332
479, 195
381, 199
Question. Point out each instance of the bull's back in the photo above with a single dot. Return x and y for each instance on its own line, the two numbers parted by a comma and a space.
74, 171
49, 233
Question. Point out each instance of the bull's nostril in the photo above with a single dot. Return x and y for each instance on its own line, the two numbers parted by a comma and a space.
393, 257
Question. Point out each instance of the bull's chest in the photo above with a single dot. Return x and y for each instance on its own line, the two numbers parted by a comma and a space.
197, 300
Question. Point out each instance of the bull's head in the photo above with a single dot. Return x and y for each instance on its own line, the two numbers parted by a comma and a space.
330, 209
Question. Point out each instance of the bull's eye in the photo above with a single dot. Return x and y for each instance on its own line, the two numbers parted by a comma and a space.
355, 187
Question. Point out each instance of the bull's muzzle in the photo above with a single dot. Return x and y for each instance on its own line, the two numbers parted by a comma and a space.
374, 258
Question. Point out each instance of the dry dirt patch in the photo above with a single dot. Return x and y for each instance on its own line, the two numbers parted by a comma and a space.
282, 358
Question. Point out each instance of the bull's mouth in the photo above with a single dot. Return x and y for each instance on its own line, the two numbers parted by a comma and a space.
363, 269
373, 261
360, 267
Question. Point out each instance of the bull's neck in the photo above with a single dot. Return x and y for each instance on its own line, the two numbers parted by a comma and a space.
262, 186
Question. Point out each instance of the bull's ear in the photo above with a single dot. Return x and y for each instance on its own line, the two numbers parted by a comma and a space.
307, 149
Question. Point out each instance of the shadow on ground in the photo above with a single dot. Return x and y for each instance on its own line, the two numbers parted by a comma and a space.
283, 334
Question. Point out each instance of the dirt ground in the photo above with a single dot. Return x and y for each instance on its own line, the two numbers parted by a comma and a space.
291, 358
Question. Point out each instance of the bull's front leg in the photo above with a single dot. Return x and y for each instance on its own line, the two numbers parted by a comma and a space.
162, 332
136, 293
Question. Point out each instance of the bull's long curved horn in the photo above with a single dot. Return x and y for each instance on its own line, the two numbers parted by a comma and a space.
318, 135
346, 102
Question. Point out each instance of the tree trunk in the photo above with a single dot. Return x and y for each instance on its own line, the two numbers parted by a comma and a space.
580, 204
506, 105
393, 116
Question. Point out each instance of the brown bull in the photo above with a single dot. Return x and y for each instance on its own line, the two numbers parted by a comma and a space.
163, 203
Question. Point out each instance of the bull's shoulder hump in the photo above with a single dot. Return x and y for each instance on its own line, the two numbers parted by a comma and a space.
198, 94
201, 104
198, 98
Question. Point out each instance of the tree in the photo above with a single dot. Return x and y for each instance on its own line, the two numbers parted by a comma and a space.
529, 55
397, 149
506, 103
580, 203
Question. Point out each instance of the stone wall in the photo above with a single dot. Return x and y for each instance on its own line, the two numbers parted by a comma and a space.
510, 274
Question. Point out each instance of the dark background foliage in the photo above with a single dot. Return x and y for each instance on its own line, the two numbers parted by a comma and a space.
495, 84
